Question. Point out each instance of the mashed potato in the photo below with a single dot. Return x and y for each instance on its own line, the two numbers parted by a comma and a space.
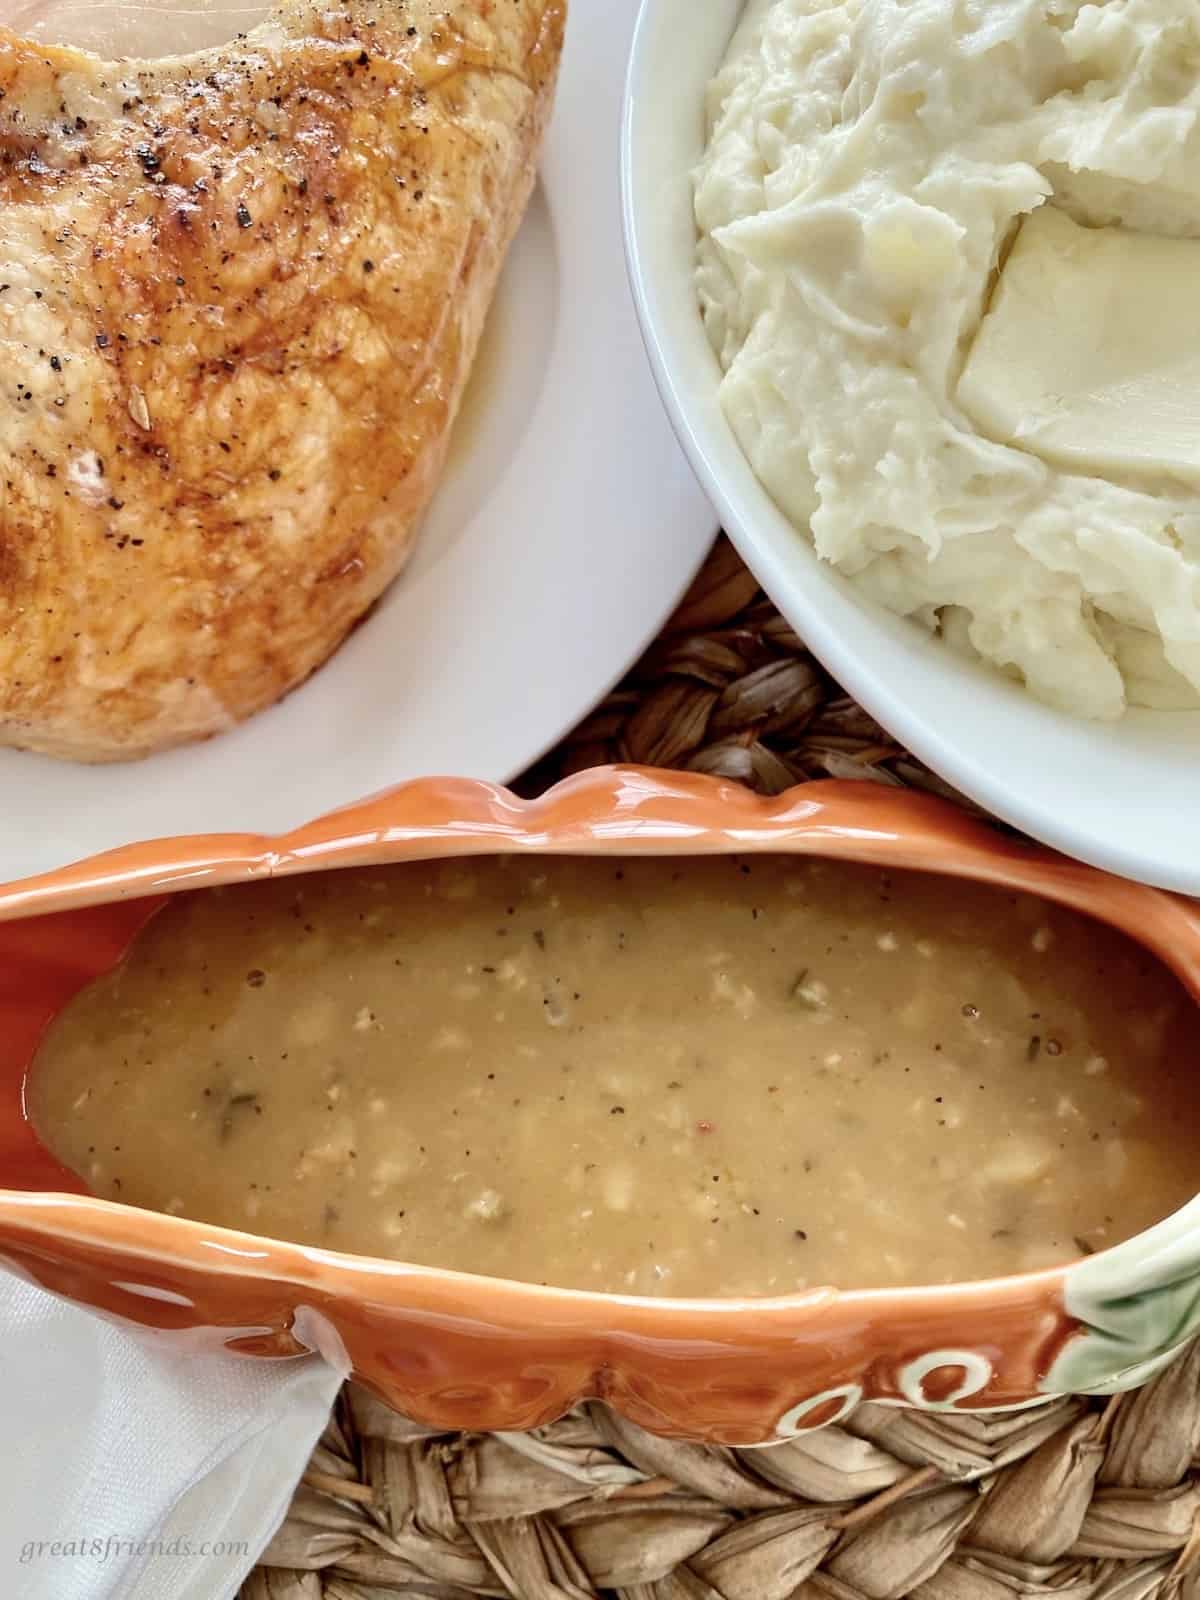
869, 164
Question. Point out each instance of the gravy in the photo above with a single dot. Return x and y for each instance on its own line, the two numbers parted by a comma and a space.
712, 1076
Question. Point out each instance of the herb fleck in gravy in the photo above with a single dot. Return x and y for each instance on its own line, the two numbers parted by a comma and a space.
711, 1076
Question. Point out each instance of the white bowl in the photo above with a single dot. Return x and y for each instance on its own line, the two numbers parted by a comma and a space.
1125, 796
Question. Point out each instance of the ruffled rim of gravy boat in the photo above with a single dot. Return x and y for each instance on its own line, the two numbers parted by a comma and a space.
456, 1351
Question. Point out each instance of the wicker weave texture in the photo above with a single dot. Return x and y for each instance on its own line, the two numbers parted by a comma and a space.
1078, 1500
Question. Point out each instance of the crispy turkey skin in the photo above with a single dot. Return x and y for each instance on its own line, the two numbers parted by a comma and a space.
240, 295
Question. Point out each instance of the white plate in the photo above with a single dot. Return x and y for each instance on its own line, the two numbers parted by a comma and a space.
1123, 796
564, 532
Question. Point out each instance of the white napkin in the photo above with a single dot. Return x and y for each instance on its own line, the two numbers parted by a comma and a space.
115, 1440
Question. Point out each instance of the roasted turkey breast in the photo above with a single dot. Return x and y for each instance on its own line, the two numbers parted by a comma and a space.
240, 295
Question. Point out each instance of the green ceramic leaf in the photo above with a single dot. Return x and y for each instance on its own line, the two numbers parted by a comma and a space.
1138, 1304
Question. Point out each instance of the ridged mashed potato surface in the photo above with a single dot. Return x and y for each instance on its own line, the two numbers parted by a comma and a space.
868, 167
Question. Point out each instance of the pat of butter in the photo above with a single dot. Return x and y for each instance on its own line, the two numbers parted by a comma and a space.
1089, 355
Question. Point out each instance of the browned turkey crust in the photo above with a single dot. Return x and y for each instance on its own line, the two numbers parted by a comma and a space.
240, 296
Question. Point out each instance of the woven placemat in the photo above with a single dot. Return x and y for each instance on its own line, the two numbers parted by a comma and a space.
1077, 1500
